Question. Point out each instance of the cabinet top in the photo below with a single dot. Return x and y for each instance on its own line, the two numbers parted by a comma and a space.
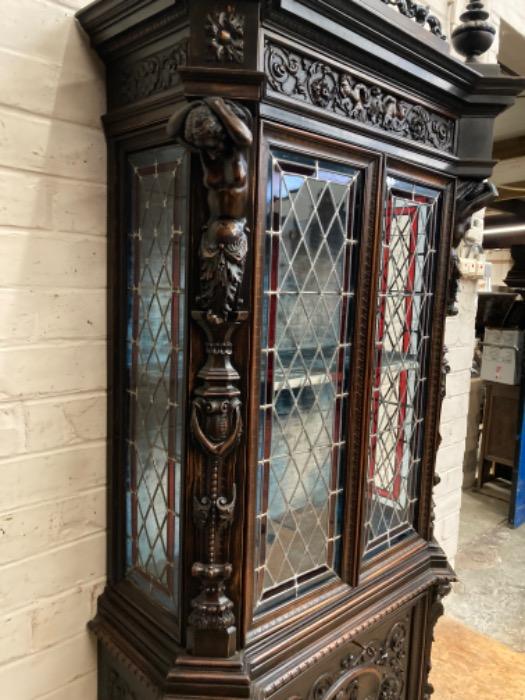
312, 51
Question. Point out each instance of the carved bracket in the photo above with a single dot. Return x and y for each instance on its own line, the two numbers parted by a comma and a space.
220, 131
471, 196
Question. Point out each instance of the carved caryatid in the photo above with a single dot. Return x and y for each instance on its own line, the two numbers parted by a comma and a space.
220, 131
471, 196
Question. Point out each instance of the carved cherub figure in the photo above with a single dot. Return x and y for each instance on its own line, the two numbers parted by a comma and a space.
219, 130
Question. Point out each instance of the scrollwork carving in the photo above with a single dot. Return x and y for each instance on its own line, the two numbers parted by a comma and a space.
382, 664
150, 75
225, 31
471, 196
301, 77
420, 13
220, 131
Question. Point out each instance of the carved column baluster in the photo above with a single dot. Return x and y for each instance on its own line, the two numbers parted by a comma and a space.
220, 131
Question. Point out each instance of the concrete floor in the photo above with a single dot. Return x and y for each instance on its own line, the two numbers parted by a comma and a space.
467, 665
490, 594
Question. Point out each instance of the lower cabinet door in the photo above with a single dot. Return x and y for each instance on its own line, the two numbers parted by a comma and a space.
371, 665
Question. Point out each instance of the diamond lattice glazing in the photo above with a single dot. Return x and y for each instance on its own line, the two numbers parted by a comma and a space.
156, 296
308, 295
405, 299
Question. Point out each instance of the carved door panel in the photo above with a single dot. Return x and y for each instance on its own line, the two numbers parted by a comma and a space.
367, 666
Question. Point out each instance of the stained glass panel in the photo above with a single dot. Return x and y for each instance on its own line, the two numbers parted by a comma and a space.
307, 317
156, 300
405, 301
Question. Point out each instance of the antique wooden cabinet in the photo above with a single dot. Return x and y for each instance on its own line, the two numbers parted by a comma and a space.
287, 179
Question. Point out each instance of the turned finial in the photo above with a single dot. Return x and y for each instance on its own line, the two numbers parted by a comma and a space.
474, 35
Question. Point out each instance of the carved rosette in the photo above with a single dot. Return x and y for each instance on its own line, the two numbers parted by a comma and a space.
225, 30
220, 131
437, 608
304, 78
471, 196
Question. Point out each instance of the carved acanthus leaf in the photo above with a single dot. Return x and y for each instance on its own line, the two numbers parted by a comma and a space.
304, 78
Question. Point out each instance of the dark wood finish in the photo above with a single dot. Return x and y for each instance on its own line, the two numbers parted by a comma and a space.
357, 83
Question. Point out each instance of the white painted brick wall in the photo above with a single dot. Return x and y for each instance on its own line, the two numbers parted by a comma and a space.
52, 351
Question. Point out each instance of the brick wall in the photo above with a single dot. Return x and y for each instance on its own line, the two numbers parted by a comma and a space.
52, 351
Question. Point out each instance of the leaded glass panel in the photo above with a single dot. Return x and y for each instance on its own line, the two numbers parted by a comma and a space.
404, 311
155, 359
310, 256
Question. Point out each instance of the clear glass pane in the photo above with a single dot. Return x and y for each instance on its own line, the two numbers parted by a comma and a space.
308, 302
405, 300
156, 299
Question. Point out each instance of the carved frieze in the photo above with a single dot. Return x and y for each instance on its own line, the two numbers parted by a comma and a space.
225, 30
150, 75
220, 132
320, 84
420, 13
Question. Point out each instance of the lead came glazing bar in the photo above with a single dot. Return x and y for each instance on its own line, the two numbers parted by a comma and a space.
155, 356
311, 250
404, 312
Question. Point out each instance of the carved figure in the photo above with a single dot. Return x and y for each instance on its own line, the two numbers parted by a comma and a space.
219, 130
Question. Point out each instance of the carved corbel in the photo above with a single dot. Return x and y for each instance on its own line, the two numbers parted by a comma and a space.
220, 132
472, 195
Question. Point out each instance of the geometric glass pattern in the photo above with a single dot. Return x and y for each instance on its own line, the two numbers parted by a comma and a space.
155, 364
308, 299
403, 321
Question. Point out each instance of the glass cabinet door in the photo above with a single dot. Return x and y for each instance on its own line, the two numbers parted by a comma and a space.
405, 299
156, 300
309, 270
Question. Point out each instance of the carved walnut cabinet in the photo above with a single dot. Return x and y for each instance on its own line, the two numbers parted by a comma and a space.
287, 182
